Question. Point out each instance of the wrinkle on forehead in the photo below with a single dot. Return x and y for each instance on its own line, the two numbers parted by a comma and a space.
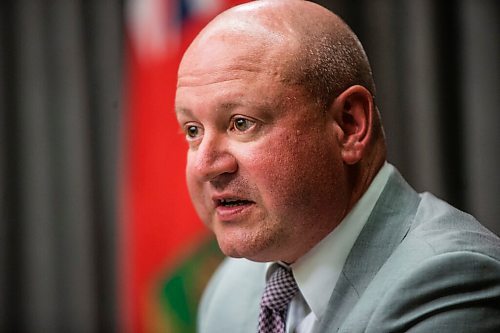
229, 55
214, 77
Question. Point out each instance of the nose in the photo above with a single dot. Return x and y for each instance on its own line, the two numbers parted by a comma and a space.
211, 159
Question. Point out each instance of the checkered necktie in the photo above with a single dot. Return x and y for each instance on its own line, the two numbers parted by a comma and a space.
279, 291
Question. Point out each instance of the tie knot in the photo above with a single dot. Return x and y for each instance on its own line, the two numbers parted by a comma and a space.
280, 290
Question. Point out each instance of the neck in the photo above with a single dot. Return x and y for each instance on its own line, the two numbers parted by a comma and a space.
361, 176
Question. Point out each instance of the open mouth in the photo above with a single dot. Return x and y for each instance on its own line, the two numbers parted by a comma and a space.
233, 202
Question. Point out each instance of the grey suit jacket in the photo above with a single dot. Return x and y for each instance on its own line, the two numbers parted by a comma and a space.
419, 265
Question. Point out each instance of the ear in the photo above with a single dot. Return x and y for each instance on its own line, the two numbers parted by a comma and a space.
353, 112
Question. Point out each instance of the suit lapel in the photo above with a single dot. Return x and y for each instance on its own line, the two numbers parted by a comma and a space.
386, 227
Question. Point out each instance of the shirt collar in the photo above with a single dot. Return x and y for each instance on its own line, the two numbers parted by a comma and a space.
318, 270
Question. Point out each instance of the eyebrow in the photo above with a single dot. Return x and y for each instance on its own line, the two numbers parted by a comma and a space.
228, 106
221, 107
184, 111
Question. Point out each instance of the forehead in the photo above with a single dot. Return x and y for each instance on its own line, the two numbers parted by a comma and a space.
226, 68
232, 90
226, 57
235, 64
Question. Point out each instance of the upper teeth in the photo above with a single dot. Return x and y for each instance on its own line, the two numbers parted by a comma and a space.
223, 201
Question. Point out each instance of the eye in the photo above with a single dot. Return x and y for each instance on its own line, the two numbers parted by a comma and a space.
241, 124
192, 131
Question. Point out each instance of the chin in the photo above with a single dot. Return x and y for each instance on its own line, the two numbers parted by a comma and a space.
241, 249
252, 253
232, 250
248, 240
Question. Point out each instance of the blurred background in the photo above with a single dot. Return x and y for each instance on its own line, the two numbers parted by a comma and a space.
96, 230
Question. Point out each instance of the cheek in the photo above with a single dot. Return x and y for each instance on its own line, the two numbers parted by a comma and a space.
291, 173
198, 198
190, 180
282, 171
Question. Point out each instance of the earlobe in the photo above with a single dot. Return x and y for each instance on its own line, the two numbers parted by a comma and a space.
354, 108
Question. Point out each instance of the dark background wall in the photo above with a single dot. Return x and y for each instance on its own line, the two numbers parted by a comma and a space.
60, 111
436, 64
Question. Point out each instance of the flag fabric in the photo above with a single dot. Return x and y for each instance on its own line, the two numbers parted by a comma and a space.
164, 255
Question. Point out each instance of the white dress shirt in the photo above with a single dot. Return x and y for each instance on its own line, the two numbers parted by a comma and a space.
318, 270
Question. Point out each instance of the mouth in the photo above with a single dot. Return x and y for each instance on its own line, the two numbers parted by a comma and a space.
232, 202
232, 208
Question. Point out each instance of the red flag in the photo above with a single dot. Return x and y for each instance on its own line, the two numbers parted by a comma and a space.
159, 226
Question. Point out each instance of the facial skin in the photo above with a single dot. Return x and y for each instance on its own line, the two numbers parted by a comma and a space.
267, 167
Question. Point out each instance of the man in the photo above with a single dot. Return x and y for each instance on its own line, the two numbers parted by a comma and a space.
286, 164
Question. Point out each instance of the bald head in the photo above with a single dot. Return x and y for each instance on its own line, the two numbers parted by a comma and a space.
316, 49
